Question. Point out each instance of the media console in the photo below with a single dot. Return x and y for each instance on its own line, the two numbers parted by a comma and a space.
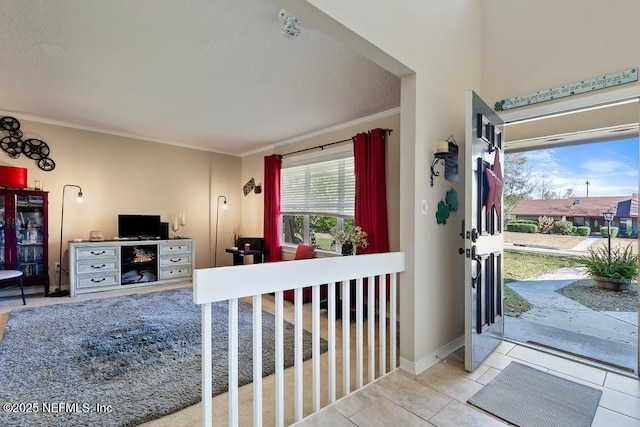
124, 264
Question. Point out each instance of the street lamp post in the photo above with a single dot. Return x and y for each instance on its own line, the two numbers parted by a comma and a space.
608, 216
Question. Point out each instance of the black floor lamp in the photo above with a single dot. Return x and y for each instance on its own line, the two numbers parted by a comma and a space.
60, 292
215, 246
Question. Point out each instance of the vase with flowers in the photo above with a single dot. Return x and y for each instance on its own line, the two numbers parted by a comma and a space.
350, 240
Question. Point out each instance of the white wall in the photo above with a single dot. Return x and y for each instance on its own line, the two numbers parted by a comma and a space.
533, 45
440, 42
124, 175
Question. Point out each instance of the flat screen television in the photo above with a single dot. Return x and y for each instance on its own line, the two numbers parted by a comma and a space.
139, 226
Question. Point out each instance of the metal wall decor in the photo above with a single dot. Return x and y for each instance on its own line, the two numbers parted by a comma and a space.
33, 148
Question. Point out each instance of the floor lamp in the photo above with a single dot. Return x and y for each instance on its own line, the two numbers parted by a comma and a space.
224, 206
60, 292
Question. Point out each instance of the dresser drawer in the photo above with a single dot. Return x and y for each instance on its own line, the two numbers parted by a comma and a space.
176, 272
178, 248
98, 280
176, 259
97, 266
96, 252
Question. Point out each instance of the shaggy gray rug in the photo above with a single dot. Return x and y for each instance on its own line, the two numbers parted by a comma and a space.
122, 360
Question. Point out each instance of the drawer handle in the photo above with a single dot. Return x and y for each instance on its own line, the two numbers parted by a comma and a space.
98, 253
98, 280
176, 260
98, 266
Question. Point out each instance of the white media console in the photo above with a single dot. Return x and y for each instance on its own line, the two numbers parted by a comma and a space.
125, 264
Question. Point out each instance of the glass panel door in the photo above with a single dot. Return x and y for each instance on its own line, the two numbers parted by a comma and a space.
30, 234
2, 236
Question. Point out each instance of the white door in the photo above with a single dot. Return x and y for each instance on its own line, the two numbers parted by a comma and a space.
483, 232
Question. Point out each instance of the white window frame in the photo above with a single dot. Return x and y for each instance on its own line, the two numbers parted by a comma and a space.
337, 152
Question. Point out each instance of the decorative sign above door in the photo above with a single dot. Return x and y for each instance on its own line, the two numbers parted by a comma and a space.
600, 82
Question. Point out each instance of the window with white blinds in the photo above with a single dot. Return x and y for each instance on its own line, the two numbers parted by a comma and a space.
326, 187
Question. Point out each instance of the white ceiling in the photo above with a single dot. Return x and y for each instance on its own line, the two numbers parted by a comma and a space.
210, 74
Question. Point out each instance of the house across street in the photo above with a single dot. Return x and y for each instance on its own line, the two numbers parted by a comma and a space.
585, 211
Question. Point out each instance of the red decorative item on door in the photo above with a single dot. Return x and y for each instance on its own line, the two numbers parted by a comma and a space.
12, 177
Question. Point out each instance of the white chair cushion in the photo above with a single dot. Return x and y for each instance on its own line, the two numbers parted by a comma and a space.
9, 274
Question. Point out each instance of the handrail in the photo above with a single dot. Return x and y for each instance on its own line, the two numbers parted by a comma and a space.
231, 283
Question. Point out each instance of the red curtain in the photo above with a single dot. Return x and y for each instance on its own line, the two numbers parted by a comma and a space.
272, 222
371, 189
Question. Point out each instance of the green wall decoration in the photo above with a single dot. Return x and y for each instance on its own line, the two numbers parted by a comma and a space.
446, 206
452, 200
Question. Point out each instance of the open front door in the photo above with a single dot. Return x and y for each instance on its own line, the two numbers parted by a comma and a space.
483, 232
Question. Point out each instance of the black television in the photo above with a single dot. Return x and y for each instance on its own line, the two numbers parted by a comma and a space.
139, 226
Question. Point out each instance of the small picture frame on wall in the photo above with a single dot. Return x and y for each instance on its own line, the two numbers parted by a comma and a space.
249, 186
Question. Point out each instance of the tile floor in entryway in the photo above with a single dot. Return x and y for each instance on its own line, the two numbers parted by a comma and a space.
438, 396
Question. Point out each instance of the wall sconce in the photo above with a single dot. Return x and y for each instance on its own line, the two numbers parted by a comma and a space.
447, 154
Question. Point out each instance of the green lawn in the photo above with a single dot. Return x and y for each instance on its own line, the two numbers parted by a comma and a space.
521, 265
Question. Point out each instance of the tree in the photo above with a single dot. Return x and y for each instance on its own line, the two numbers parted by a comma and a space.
520, 182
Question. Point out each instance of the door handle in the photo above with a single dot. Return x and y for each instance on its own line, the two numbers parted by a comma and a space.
475, 257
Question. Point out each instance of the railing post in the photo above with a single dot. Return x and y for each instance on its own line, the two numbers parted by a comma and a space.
207, 369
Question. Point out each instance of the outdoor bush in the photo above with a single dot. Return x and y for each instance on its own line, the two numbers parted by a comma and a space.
523, 221
545, 223
623, 264
583, 231
562, 227
574, 229
604, 232
522, 228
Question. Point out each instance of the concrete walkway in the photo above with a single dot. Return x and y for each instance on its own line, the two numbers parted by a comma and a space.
557, 321
584, 245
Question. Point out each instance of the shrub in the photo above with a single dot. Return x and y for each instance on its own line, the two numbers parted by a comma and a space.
604, 232
562, 227
522, 228
623, 265
523, 221
583, 231
545, 223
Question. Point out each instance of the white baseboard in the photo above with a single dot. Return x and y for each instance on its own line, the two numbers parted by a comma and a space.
416, 368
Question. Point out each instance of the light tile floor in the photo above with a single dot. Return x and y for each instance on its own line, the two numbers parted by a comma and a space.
438, 396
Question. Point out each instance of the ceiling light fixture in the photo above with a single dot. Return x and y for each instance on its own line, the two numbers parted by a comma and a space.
291, 28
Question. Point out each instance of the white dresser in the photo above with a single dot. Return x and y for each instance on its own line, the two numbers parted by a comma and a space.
124, 264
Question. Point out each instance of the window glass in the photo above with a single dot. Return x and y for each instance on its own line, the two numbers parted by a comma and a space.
317, 199
292, 229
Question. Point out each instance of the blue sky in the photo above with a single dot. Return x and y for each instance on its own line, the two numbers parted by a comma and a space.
611, 168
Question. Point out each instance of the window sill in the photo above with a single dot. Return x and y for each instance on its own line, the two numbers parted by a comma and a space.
289, 251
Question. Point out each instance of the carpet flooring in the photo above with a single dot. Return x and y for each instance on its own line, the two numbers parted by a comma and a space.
122, 360
527, 397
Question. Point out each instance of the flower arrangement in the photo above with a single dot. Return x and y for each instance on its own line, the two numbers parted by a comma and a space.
352, 239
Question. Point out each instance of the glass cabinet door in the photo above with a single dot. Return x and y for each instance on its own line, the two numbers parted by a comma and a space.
30, 234
2, 236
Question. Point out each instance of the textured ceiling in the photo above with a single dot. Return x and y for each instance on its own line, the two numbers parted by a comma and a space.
215, 75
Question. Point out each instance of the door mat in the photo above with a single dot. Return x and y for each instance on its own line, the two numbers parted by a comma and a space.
525, 396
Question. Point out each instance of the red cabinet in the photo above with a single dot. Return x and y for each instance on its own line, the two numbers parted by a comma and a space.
24, 235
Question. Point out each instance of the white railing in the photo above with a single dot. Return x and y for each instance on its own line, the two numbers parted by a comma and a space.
231, 283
